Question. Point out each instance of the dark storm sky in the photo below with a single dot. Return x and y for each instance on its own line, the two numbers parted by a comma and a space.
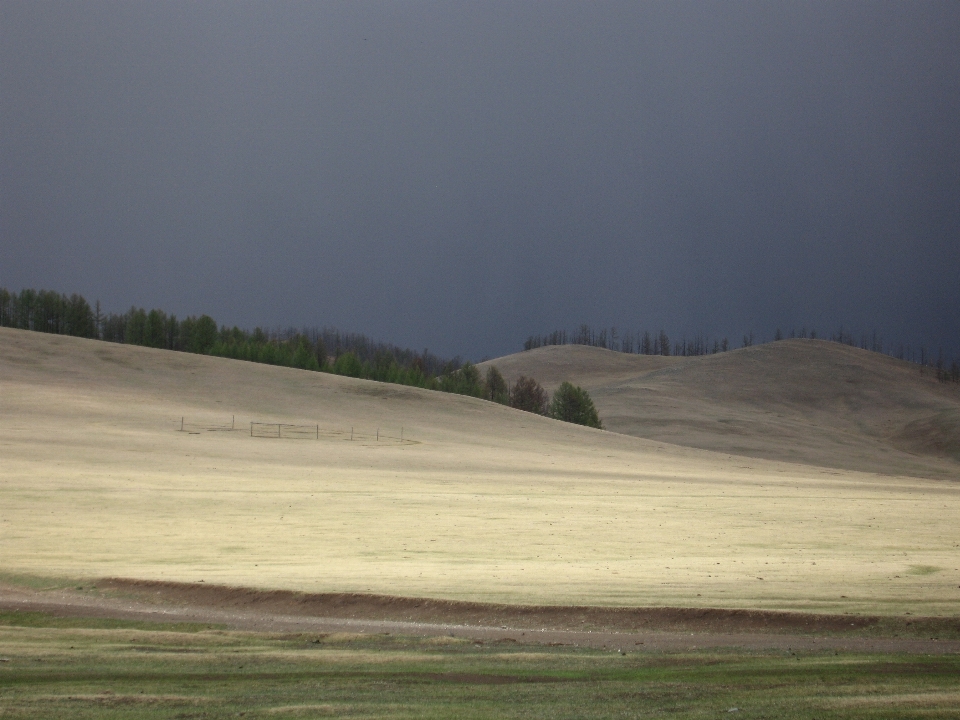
458, 176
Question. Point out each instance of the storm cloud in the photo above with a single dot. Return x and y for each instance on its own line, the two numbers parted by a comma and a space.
460, 175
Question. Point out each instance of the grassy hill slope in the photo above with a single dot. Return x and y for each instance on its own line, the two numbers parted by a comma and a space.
478, 502
807, 401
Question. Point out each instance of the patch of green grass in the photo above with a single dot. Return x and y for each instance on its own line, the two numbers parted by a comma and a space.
45, 620
134, 673
924, 569
38, 582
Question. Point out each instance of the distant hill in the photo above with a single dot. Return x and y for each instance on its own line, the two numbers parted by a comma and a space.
808, 401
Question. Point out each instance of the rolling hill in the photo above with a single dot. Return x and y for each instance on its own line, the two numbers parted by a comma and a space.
123, 461
808, 401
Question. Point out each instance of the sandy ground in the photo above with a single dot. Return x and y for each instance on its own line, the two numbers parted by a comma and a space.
478, 502
807, 401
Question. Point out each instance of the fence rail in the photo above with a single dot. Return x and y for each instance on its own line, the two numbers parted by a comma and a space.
285, 430
291, 431
195, 428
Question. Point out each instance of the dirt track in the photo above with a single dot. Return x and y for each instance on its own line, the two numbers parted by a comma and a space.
622, 629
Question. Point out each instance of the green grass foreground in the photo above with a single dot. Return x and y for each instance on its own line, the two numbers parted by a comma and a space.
78, 668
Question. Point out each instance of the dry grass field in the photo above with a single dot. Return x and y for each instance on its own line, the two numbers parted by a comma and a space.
806, 401
481, 502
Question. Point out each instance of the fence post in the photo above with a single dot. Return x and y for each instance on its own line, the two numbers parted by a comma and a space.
251, 428
351, 433
181, 423
278, 431
378, 434
233, 422
401, 433
318, 432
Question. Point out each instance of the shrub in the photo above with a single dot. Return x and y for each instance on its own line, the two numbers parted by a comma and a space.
572, 404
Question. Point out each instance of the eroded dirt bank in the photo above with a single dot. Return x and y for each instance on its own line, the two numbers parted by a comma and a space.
624, 629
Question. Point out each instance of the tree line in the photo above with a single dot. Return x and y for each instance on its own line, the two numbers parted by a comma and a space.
47, 311
641, 343
327, 349
646, 343
569, 402
320, 350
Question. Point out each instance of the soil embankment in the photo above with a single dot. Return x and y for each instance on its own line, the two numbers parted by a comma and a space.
621, 629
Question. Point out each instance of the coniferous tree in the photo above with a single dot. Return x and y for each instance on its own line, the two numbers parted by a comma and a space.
26, 300
47, 312
155, 329
204, 335
79, 319
664, 342
572, 404
304, 357
136, 330
496, 388
527, 394
348, 364
646, 346
464, 381
171, 334
113, 328
6, 308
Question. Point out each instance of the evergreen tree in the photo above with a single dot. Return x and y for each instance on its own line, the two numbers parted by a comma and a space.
6, 308
155, 330
203, 335
136, 330
465, 381
23, 310
348, 364
572, 404
303, 356
496, 388
79, 319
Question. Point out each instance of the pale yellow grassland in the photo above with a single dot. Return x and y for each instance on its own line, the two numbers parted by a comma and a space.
485, 503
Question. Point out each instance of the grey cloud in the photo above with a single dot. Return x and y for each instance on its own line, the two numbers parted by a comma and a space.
460, 176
